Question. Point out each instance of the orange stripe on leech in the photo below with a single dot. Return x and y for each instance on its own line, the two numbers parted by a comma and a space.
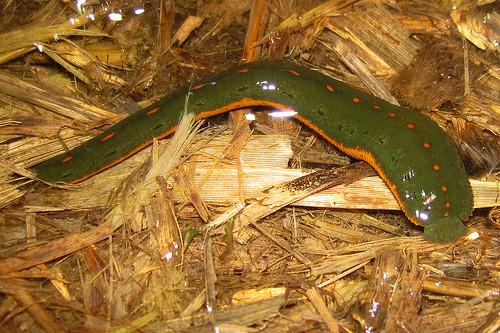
330, 88
294, 72
107, 137
410, 125
243, 70
377, 107
392, 114
243, 103
426, 145
356, 99
152, 111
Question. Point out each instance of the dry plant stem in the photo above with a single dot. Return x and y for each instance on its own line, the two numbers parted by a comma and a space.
137, 324
27, 36
18, 40
58, 248
59, 53
241, 136
187, 27
494, 217
366, 220
6, 306
382, 42
247, 314
10, 192
256, 28
457, 288
210, 277
385, 275
343, 274
195, 304
296, 22
344, 258
283, 244
165, 228
11, 55
239, 140
478, 25
372, 193
404, 306
81, 64
466, 70
62, 105
228, 214
95, 285
57, 280
304, 153
227, 11
451, 287
322, 227
346, 51
319, 304
167, 20
245, 296
463, 318
280, 196
183, 179
42, 272
171, 156
23, 298
492, 324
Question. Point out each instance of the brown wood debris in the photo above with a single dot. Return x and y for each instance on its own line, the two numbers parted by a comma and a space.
231, 225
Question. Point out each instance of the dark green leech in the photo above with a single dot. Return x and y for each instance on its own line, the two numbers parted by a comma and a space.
411, 153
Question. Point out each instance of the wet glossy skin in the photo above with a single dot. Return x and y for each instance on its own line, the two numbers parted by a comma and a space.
411, 153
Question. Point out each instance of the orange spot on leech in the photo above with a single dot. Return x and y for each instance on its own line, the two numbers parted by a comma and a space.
294, 72
107, 137
444, 188
243, 70
150, 112
446, 214
356, 99
67, 159
377, 107
329, 87
436, 167
392, 114
410, 125
447, 204
198, 86
426, 145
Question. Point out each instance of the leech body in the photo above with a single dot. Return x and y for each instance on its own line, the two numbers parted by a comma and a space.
412, 154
